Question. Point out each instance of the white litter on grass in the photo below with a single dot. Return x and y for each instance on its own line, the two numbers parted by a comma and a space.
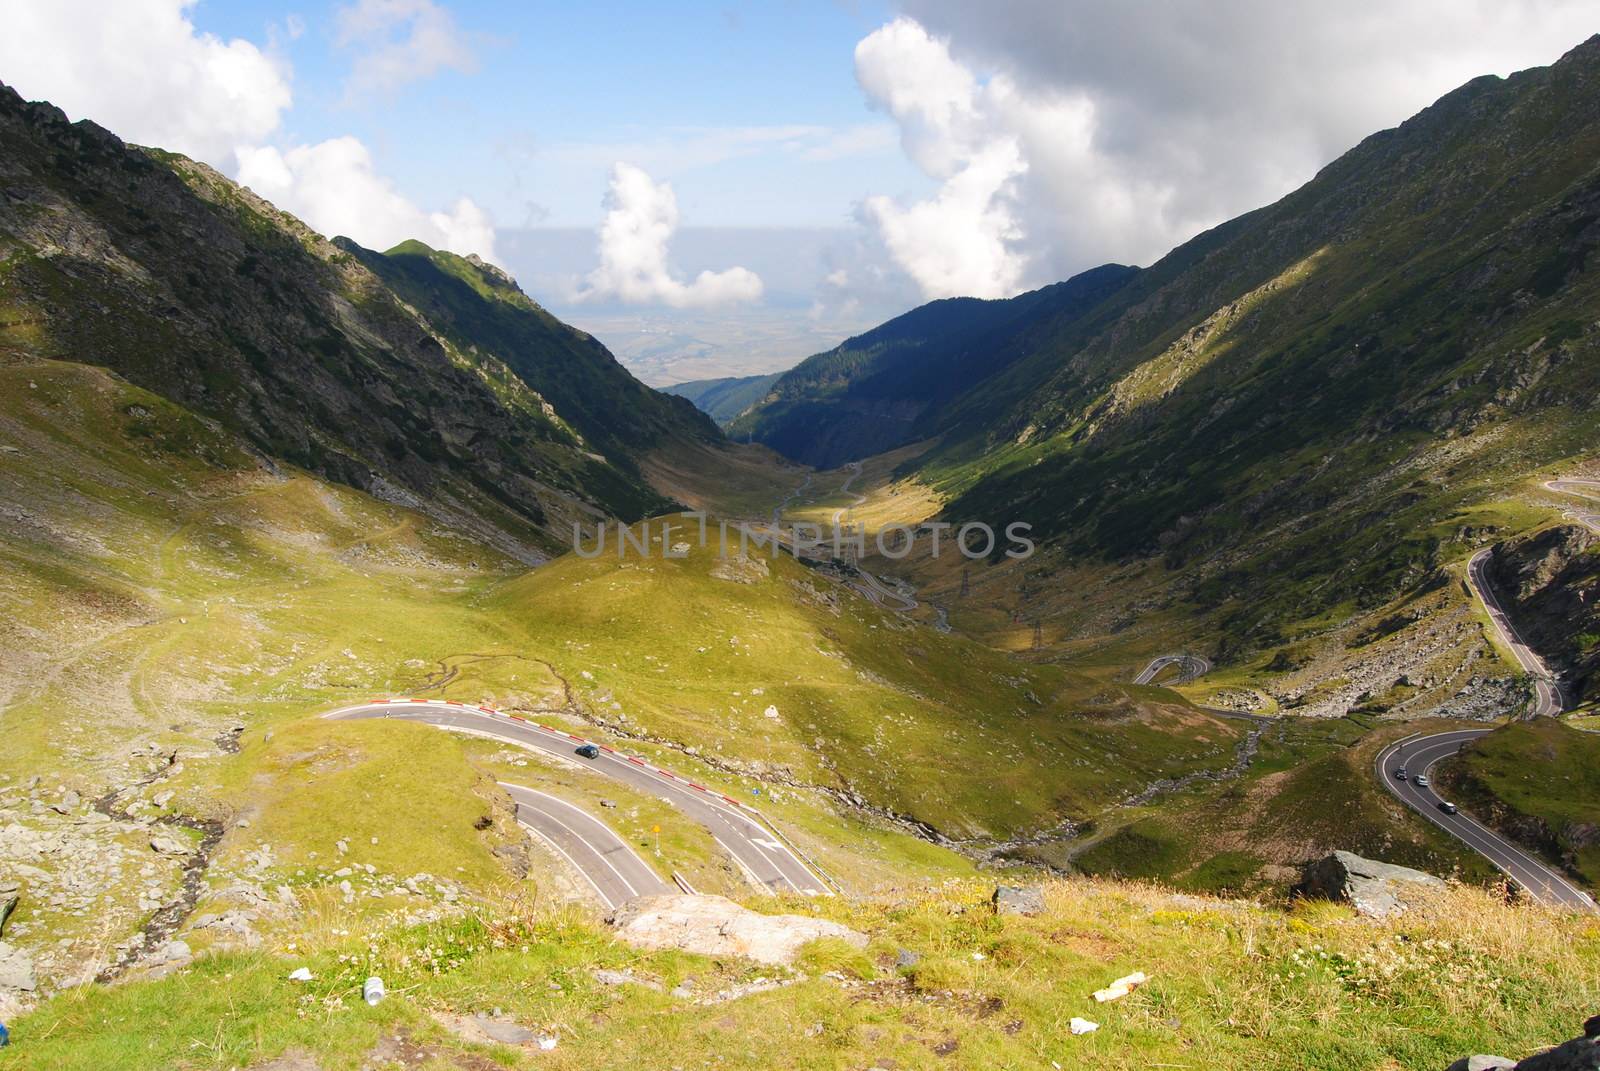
373, 991
546, 1042
1083, 1026
1121, 987
300, 974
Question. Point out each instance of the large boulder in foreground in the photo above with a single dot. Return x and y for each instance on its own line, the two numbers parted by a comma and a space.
716, 926
1374, 889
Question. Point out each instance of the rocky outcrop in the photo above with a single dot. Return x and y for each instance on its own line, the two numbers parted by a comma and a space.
1374, 889
716, 926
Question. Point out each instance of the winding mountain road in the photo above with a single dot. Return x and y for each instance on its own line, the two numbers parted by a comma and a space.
844, 489
593, 848
1418, 755
1189, 667
1547, 694
1587, 515
762, 853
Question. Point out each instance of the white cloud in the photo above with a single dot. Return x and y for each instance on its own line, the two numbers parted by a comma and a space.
1135, 128
332, 186
641, 216
400, 41
961, 240
141, 69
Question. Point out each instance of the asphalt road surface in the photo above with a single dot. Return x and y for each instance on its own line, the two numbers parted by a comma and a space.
1419, 755
1189, 667
1587, 514
1547, 697
765, 859
595, 851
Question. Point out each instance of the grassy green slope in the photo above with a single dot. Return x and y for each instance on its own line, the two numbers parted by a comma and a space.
1538, 781
1311, 392
921, 724
163, 586
1249, 988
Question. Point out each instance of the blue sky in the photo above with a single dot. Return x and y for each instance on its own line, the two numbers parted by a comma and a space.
699, 94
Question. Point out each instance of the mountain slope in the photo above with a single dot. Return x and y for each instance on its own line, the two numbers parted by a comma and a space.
480, 309
724, 399
162, 270
884, 389
1342, 371
1302, 414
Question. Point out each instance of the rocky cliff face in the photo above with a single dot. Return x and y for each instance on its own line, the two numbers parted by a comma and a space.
186, 284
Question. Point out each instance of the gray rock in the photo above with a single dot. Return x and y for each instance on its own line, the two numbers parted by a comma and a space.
1374, 889
10, 896
177, 952
16, 969
1481, 1063
1018, 900
168, 845
716, 926
905, 958
503, 1031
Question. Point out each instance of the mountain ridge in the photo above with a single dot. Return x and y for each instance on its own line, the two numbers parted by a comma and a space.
181, 281
1290, 415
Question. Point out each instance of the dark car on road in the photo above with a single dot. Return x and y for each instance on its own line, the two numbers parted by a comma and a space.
1400, 774
1447, 807
588, 751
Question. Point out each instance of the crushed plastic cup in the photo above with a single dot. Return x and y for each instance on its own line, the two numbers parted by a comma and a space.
1082, 1026
300, 974
373, 991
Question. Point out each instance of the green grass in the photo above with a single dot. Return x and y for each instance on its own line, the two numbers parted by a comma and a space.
1251, 988
931, 726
